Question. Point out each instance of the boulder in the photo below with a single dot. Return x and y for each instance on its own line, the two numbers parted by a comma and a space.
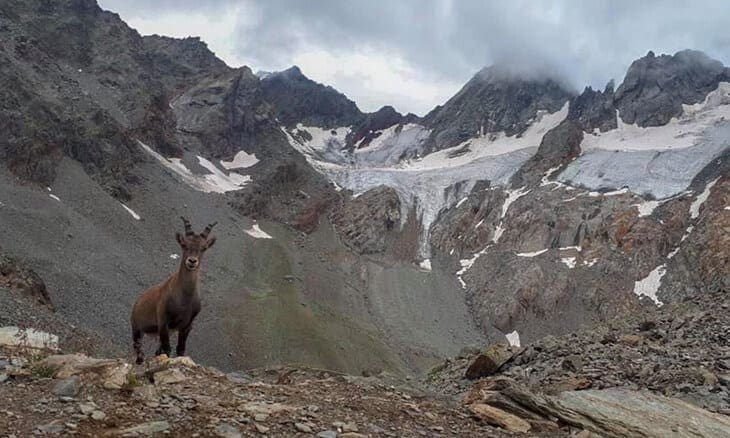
109, 373
489, 362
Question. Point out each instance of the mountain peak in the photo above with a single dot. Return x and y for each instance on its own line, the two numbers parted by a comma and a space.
300, 99
655, 87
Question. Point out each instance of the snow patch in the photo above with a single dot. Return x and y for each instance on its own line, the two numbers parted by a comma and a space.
513, 338
649, 286
256, 232
132, 212
531, 254
694, 209
568, 248
241, 160
569, 262
55, 197
214, 182
466, 264
512, 196
589, 263
174, 256
647, 207
425, 264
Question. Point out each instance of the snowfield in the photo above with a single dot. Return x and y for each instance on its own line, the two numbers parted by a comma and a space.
659, 160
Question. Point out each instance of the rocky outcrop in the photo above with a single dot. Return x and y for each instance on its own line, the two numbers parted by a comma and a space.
298, 99
557, 148
226, 113
612, 413
656, 87
645, 351
371, 126
494, 100
367, 223
594, 109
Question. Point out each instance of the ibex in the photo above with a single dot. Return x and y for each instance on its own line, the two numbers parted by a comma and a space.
174, 304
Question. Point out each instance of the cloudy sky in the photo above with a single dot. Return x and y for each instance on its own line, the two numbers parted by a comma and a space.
415, 54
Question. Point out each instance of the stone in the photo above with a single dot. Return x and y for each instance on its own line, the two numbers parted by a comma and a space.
110, 373
301, 427
573, 363
226, 430
261, 417
499, 418
632, 340
256, 407
67, 387
236, 377
350, 427
12, 336
489, 362
708, 377
169, 377
147, 428
52, 428
87, 408
3, 377
261, 428
327, 434
98, 415
724, 379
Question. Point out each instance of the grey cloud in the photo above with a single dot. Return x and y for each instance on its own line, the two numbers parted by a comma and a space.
449, 40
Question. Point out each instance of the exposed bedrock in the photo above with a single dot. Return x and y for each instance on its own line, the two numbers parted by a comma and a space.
369, 222
655, 87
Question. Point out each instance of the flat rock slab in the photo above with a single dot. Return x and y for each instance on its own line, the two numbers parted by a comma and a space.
621, 413
499, 418
28, 338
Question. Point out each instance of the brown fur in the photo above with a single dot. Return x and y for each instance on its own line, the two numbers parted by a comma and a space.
173, 304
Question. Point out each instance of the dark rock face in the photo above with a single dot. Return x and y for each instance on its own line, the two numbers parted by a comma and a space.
559, 145
493, 100
366, 131
366, 222
226, 113
594, 109
77, 82
656, 87
299, 99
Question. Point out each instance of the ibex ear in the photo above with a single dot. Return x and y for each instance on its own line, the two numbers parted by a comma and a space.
180, 239
210, 242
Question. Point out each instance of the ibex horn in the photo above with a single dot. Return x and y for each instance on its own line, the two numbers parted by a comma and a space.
207, 229
188, 227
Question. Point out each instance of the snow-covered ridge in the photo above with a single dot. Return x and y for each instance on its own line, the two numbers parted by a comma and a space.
659, 160
214, 182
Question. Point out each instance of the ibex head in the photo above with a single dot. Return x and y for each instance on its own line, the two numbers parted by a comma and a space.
194, 245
